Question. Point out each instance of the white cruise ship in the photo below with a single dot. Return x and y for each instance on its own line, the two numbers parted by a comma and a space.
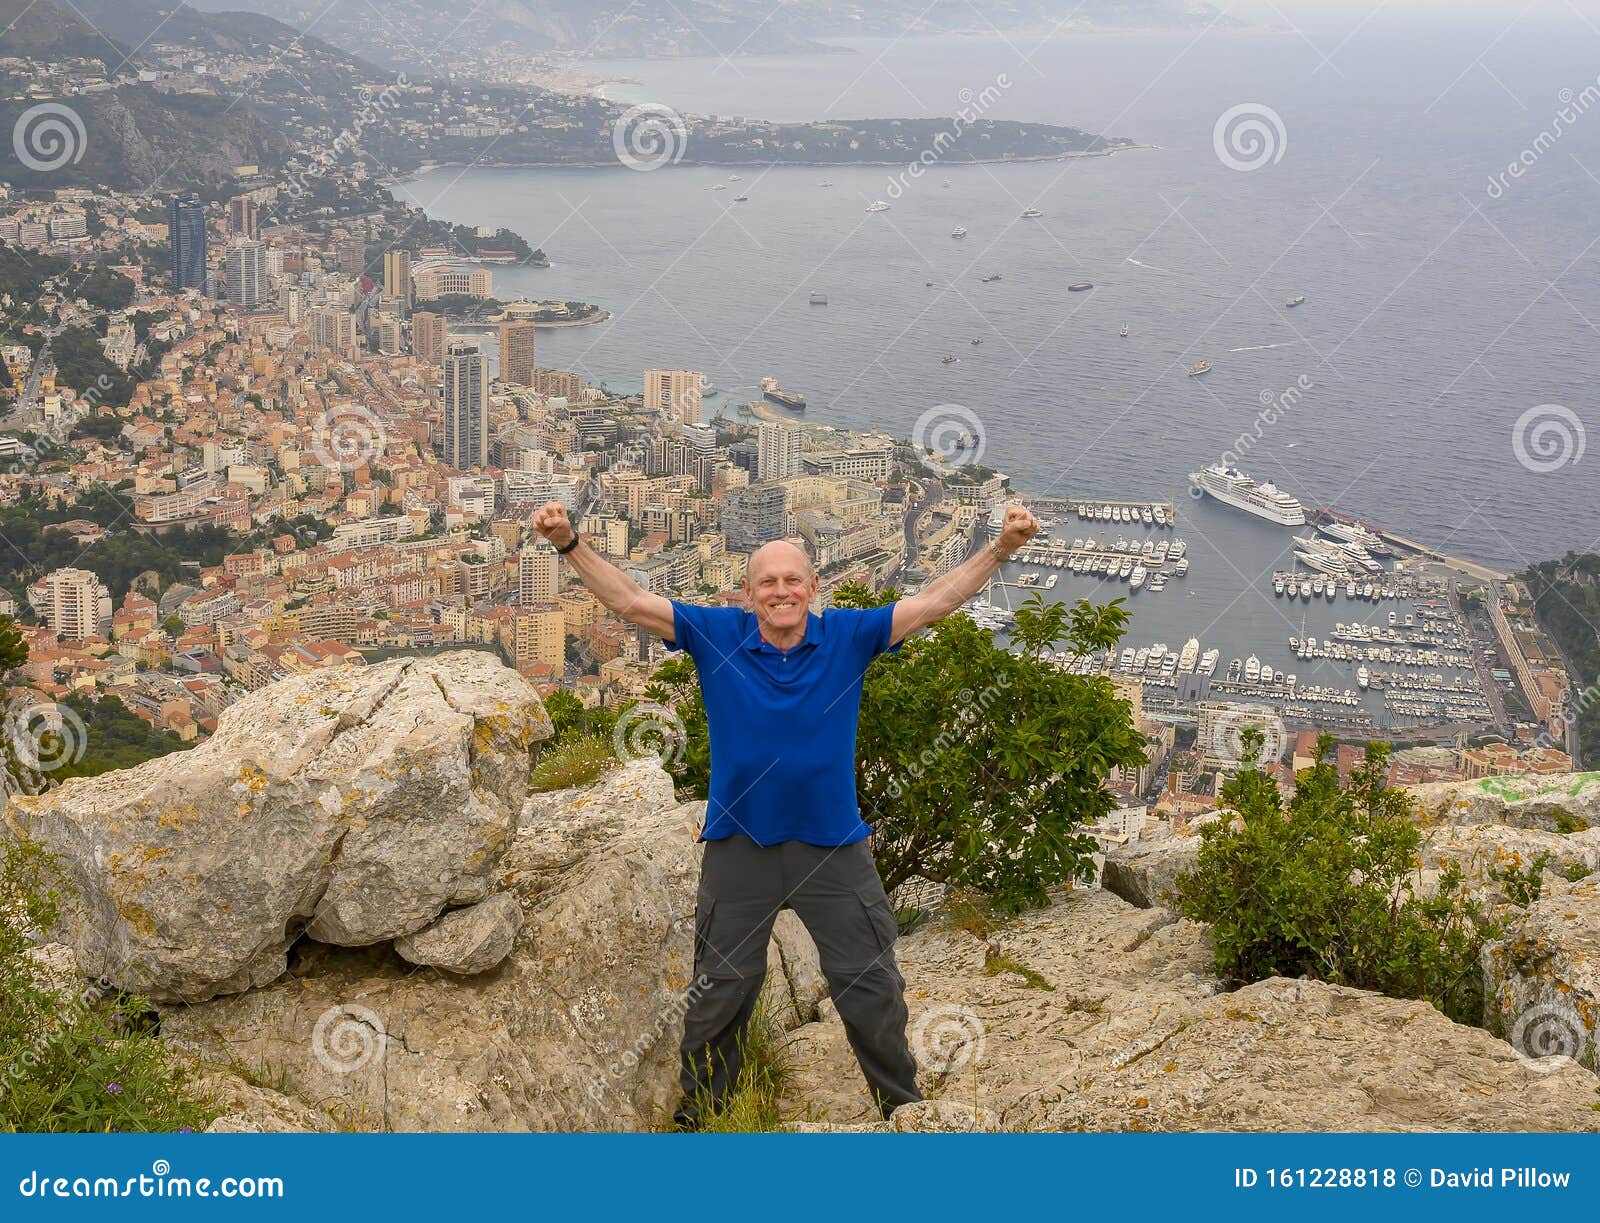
1238, 490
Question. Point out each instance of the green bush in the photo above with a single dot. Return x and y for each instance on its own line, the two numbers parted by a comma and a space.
75, 1063
1325, 888
978, 765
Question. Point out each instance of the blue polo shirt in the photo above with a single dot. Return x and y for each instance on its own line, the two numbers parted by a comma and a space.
782, 722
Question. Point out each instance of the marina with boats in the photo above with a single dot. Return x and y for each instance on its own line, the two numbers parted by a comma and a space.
1407, 670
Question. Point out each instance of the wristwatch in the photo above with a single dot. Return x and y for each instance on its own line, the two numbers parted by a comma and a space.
1000, 556
573, 544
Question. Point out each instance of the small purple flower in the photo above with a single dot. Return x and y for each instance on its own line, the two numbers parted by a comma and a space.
184, 1129
114, 1088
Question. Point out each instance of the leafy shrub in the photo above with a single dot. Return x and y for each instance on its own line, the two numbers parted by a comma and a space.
1325, 888
75, 1063
977, 766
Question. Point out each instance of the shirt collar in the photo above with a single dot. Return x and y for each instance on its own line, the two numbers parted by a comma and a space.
813, 637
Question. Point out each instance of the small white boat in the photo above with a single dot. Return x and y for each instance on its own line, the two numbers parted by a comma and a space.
960, 231
878, 206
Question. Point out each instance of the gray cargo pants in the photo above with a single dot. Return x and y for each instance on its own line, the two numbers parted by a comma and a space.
836, 892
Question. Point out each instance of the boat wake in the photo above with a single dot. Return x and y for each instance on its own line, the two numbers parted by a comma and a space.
1264, 347
1151, 266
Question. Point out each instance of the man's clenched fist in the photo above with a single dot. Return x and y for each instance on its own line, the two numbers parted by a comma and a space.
550, 520
1020, 526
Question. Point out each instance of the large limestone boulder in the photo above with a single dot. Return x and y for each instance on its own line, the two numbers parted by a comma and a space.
1092, 1014
354, 805
1568, 802
577, 1028
1542, 980
1144, 873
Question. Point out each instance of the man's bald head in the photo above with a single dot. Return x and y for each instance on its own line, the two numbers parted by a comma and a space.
782, 553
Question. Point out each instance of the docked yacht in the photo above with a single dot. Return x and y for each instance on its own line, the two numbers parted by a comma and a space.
1189, 655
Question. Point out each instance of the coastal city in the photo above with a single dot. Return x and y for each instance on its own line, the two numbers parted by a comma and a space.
335, 438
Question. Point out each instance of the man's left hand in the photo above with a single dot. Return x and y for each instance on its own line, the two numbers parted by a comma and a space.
1020, 526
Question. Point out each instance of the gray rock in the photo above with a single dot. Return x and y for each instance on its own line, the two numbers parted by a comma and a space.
1127, 1028
353, 804
1567, 802
1542, 980
577, 1029
1144, 872
795, 985
469, 940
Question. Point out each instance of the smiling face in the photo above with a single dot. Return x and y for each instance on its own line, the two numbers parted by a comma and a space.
780, 585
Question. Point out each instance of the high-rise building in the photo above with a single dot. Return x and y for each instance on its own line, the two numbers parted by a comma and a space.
397, 276
186, 236
536, 574
466, 406
352, 255
777, 451
333, 327
427, 337
74, 602
516, 353
245, 268
674, 393
244, 217
390, 334
293, 301
751, 516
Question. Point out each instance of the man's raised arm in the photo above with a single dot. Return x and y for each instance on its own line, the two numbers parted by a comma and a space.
943, 595
615, 589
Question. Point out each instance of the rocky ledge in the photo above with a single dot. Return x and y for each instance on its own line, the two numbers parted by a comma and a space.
354, 916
